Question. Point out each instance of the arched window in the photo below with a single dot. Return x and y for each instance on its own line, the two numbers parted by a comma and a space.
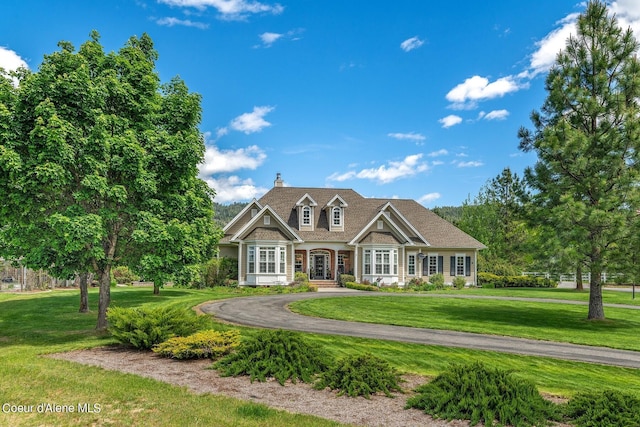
306, 215
337, 216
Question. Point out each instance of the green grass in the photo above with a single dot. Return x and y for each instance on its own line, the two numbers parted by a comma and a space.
33, 325
536, 320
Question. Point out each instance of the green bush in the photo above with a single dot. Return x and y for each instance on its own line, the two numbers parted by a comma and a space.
361, 286
280, 354
479, 394
437, 280
219, 271
205, 344
344, 278
485, 279
123, 275
459, 282
142, 328
360, 376
301, 277
607, 408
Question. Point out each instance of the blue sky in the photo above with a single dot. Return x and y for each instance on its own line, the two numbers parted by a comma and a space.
408, 99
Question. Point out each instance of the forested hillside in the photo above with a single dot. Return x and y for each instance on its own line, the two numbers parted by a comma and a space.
225, 213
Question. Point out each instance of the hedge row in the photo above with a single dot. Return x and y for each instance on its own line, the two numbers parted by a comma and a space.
488, 280
361, 286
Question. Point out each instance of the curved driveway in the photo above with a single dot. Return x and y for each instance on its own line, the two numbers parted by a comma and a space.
272, 312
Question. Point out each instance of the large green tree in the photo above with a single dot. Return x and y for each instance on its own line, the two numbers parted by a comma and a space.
99, 164
587, 138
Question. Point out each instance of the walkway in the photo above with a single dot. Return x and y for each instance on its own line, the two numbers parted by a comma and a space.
272, 312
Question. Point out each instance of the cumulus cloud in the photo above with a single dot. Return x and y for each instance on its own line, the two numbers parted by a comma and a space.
170, 22
429, 198
478, 88
411, 44
222, 161
229, 9
234, 189
252, 122
11, 61
384, 174
450, 120
411, 136
494, 115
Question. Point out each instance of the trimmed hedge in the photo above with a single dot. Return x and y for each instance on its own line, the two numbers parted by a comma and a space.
489, 280
361, 286
345, 278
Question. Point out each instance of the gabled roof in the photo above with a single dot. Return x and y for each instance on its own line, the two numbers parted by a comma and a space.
398, 234
253, 204
301, 202
409, 220
253, 224
337, 201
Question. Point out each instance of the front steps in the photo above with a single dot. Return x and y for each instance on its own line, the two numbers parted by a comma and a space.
324, 284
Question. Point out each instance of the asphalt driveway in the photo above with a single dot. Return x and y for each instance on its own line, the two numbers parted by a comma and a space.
271, 312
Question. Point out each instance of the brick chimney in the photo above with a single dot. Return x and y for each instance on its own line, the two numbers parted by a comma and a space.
278, 182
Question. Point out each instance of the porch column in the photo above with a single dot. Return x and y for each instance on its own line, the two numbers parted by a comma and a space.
335, 265
240, 281
308, 264
355, 264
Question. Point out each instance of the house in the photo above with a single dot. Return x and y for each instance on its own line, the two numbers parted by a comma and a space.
326, 231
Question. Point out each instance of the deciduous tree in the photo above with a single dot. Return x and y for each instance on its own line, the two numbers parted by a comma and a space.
98, 166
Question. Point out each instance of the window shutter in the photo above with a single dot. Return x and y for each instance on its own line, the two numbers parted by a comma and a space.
425, 266
440, 264
467, 266
452, 266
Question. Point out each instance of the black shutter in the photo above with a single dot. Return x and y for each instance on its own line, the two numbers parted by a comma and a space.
425, 266
467, 266
452, 268
440, 264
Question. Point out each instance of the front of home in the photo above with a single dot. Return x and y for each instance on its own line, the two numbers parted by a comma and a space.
325, 232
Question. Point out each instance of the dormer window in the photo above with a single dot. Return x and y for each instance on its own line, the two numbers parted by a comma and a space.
337, 216
306, 215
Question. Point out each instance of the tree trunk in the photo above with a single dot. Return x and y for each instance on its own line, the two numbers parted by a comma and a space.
105, 297
596, 308
84, 291
156, 288
579, 277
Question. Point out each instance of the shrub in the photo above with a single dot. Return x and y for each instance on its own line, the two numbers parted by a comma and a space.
122, 274
361, 286
485, 279
142, 328
360, 376
459, 282
205, 344
344, 278
301, 277
605, 408
479, 394
280, 354
217, 271
437, 280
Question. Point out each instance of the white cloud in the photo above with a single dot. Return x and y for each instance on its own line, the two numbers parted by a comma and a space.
547, 48
219, 161
234, 189
429, 198
412, 136
411, 44
441, 152
393, 170
252, 122
478, 88
170, 22
269, 38
450, 120
229, 9
495, 115
471, 164
11, 61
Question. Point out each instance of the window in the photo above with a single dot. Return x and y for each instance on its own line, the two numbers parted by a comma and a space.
380, 225
460, 265
337, 216
385, 261
433, 264
283, 259
299, 259
267, 220
251, 259
306, 215
411, 265
254, 212
267, 259
341, 263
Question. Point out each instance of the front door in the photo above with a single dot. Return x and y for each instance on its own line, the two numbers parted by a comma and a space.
319, 267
